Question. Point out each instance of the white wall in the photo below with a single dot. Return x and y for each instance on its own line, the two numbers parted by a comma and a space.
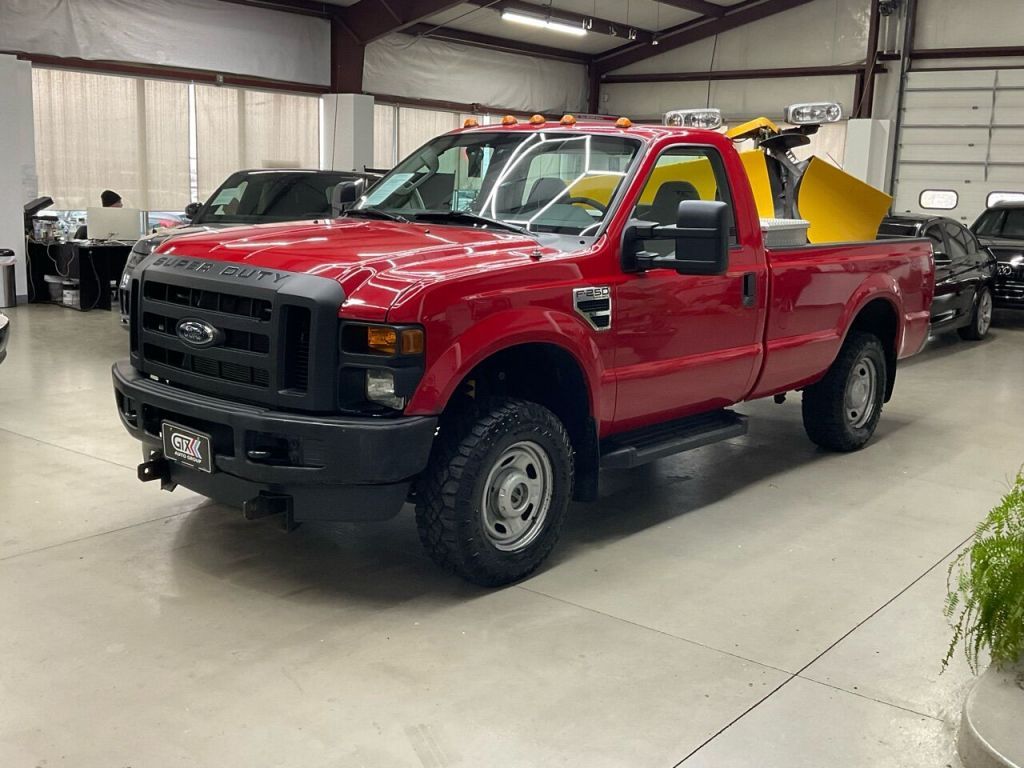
401, 65
197, 34
820, 33
970, 24
17, 158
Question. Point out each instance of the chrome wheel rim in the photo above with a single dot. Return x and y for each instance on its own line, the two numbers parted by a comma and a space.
861, 387
984, 312
517, 496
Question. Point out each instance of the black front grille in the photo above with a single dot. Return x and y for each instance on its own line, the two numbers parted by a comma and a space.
270, 338
206, 366
213, 301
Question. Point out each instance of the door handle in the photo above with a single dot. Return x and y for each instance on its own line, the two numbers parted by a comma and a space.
749, 289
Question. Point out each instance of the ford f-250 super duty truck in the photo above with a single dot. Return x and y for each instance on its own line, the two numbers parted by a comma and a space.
511, 309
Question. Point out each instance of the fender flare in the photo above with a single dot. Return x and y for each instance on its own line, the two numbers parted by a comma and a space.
501, 331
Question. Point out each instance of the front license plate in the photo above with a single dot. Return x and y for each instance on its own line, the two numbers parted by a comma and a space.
188, 447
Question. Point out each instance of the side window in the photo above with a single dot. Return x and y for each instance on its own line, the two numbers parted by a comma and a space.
683, 173
957, 242
934, 233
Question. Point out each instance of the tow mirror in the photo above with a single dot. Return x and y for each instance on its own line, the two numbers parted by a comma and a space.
191, 210
344, 196
701, 236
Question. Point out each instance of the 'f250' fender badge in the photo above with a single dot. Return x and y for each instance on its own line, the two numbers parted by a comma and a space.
594, 304
197, 333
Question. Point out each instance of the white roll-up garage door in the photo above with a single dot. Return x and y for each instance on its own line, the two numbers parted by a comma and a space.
961, 141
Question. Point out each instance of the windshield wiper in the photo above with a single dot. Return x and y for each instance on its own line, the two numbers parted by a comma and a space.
373, 212
470, 218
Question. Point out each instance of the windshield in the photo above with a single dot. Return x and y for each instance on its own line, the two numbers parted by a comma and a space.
256, 197
1000, 222
542, 182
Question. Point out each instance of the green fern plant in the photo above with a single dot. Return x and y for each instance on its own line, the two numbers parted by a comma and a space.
985, 584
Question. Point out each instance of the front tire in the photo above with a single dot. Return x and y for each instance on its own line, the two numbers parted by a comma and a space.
491, 504
842, 410
981, 319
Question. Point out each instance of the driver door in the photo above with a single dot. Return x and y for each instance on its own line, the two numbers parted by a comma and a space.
686, 344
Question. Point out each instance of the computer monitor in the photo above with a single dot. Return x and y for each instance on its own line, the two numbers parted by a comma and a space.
115, 223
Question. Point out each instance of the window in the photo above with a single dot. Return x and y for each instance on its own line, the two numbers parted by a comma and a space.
544, 182
1001, 222
958, 245
238, 128
262, 196
934, 233
938, 199
418, 126
1003, 197
96, 132
384, 127
682, 173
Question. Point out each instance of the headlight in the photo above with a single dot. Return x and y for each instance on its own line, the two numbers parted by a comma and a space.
380, 388
380, 364
694, 118
382, 340
813, 113
140, 250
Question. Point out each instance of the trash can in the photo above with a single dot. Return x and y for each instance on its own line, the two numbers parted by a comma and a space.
8, 296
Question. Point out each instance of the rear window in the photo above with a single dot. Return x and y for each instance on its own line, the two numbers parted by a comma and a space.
994, 198
897, 229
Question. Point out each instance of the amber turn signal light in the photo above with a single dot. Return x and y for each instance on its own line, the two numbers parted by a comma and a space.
412, 341
623, 122
508, 120
537, 120
471, 122
382, 340
568, 120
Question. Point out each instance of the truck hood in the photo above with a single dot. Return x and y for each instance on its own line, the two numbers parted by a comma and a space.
376, 262
1003, 248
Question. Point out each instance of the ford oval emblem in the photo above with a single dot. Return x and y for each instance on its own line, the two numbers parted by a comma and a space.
197, 333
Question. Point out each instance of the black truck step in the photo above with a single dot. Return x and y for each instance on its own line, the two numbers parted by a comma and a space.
631, 449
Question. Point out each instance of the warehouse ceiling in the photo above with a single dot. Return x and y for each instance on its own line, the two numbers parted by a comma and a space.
607, 34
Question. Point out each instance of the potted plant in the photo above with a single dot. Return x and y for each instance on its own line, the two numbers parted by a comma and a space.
985, 605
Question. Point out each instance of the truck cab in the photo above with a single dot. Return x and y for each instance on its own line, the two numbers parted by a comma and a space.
508, 311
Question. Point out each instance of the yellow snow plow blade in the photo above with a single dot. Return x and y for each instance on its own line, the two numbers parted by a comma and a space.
839, 207
757, 172
750, 128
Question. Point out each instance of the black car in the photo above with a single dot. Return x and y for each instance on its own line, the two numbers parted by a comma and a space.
5, 327
1001, 228
260, 196
964, 272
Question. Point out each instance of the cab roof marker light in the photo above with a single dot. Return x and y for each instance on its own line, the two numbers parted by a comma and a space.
694, 118
813, 113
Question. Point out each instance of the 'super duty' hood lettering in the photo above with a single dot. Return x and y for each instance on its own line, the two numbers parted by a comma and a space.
226, 270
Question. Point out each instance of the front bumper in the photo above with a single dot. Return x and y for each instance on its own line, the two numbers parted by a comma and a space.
330, 467
1009, 293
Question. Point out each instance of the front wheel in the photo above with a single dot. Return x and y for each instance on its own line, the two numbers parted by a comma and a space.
981, 320
491, 503
842, 410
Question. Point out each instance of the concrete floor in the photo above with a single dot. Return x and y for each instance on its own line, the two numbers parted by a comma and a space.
755, 603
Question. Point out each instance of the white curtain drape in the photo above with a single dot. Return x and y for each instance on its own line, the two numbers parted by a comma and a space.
96, 132
239, 128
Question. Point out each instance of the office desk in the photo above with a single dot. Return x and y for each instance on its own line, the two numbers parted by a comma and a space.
93, 264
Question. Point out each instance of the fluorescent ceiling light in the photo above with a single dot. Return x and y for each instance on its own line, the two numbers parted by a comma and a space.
545, 23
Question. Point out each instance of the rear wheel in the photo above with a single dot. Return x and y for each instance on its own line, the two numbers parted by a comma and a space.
981, 320
842, 410
491, 503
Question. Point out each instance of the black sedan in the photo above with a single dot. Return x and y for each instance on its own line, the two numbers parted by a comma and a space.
1001, 229
964, 272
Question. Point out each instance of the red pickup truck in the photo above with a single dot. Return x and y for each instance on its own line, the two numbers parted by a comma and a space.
510, 310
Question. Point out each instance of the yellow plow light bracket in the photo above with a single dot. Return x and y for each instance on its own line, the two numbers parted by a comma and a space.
840, 208
751, 128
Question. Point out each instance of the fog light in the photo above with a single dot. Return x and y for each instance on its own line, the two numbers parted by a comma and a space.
380, 388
